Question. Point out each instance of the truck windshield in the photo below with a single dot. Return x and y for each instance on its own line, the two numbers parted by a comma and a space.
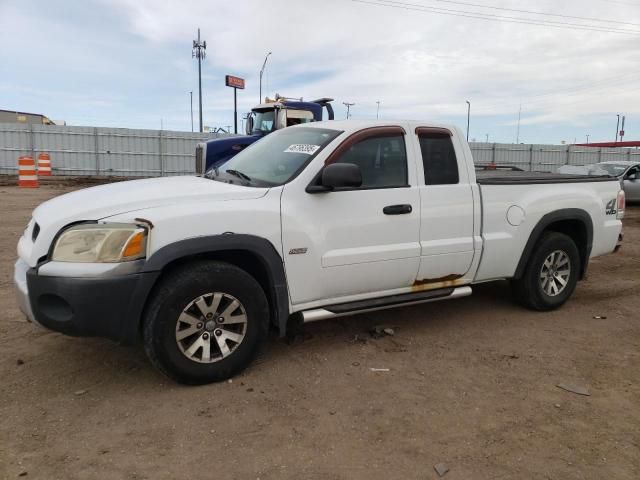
613, 169
276, 158
263, 121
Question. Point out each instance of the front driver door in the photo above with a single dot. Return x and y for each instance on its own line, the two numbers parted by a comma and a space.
341, 245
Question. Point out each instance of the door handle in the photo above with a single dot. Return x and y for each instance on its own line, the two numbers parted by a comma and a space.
397, 209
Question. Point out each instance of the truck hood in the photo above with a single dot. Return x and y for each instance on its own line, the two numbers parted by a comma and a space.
106, 200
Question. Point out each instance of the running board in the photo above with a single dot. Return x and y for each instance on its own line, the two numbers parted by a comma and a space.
403, 300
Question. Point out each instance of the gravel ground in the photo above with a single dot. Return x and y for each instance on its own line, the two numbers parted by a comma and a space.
471, 384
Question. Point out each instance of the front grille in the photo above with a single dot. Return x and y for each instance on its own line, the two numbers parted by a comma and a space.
35, 232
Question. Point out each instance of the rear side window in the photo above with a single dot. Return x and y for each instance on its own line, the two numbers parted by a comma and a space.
438, 158
382, 161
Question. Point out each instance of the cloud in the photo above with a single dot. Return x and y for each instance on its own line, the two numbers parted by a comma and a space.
136, 54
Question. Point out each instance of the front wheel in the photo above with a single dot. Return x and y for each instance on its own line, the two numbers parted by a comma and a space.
551, 274
205, 322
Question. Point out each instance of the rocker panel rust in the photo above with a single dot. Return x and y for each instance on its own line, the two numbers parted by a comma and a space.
451, 280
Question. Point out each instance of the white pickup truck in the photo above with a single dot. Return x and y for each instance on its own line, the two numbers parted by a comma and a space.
312, 222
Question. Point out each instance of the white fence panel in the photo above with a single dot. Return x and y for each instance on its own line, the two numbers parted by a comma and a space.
547, 158
149, 153
102, 151
15, 140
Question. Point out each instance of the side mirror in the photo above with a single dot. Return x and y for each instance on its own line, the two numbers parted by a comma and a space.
249, 125
633, 177
338, 175
341, 175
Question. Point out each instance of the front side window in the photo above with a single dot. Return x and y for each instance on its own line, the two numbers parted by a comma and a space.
438, 158
276, 158
382, 161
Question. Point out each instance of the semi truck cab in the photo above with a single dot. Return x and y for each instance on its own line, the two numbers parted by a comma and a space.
274, 114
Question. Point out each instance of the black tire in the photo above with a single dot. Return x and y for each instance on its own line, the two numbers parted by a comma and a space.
175, 292
529, 290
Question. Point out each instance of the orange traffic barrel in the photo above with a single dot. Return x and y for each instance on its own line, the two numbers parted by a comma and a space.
44, 165
27, 176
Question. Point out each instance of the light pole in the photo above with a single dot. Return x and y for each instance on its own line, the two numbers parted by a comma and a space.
468, 117
191, 95
199, 51
487, 140
588, 139
348, 105
518, 129
377, 109
617, 126
264, 64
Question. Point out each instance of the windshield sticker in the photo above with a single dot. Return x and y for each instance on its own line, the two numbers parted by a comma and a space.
302, 148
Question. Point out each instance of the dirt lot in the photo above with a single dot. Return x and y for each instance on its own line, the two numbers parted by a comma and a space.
472, 383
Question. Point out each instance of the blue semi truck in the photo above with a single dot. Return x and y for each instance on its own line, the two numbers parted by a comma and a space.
262, 120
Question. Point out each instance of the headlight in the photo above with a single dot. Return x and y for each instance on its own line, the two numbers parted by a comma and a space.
101, 243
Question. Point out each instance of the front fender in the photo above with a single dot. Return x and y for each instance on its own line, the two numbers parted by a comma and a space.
260, 248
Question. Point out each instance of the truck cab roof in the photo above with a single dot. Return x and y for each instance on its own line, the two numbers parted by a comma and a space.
355, 125
284, 103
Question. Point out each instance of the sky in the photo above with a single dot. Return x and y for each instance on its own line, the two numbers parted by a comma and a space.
128, 63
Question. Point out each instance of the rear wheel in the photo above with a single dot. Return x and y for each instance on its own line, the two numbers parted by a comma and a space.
205, 322
551, 274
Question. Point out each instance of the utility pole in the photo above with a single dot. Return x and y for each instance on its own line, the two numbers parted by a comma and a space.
588, 139
377, 109
487, 139
622, 128
191, 95
199, 51
264, 64
348, 105
468, 117
518, 130
617, 126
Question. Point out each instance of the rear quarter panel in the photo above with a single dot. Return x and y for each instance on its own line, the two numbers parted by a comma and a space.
503, 243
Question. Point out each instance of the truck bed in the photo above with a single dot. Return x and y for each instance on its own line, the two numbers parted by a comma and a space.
508, 177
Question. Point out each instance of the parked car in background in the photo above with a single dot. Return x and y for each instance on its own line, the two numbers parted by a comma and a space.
627, 172
629, 175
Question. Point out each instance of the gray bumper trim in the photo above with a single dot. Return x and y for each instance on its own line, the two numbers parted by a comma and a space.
21, 289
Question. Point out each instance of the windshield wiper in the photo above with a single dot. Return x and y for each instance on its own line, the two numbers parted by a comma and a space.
212, 173
244, 176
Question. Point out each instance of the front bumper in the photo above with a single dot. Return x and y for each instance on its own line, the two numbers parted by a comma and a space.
106, 306
21, 289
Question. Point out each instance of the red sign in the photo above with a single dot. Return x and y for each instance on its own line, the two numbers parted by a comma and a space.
622, 133
235, 82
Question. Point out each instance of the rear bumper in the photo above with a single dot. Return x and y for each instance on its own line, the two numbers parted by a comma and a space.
108, 306
619, 244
